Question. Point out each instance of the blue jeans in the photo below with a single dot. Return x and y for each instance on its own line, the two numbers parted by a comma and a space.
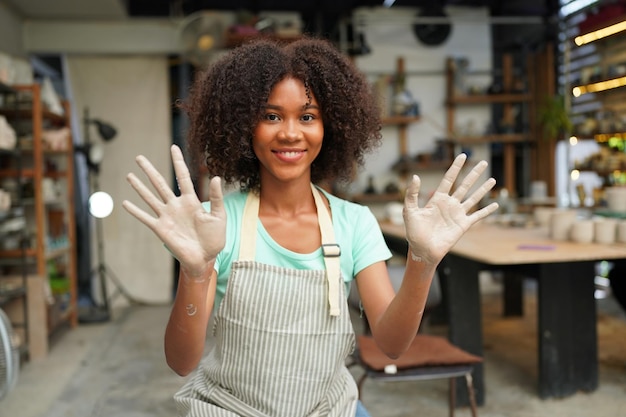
360, 410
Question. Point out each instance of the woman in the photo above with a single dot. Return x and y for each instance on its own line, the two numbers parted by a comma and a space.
270, 258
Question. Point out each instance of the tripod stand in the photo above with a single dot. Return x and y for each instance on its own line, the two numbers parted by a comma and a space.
101, 313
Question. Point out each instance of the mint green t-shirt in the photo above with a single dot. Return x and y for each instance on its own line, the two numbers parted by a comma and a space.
356, 231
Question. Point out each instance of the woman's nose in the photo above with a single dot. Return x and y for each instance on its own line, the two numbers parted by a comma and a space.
290, 131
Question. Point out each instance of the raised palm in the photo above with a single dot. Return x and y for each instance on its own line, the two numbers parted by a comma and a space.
193, 235
432, 230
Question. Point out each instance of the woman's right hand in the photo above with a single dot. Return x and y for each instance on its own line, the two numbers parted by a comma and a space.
193, 235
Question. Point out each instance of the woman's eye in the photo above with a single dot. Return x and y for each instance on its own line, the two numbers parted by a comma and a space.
308, 117
271, 117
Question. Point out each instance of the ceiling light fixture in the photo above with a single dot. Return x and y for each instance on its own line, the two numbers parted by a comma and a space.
388, 3
600, 33
575, 6
599, 86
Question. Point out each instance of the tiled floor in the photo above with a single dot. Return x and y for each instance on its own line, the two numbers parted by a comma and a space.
118, 369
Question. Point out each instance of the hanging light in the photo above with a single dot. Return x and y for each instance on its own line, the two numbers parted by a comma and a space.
599, 86
600, 33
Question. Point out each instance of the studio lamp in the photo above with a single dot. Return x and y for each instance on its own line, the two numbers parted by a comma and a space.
94, 151
100, 206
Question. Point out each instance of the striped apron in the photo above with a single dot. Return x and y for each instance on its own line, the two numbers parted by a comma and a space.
281, 338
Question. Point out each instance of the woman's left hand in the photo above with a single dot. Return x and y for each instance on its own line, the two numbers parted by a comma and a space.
432, 230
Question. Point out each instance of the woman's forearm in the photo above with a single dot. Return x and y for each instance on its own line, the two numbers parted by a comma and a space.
397, 327
185, 334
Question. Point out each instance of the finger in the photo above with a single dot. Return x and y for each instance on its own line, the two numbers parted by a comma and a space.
479, 194
183, 177
412, 192
155, 177
483, 212
216, 197
139, 214
469, 180
451, 174
144, 192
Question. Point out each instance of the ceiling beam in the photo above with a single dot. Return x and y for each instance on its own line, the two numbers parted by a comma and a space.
134, 36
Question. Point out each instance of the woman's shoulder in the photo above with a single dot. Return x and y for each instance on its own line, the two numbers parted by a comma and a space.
235, 197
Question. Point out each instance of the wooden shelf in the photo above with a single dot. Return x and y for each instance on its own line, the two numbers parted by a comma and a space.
18, 253
399, 120
6, 89
503, 138
413, 166
376, 198
8, 295
54, 118
33, 263
31, 173
507, 102
489, 99
8, 152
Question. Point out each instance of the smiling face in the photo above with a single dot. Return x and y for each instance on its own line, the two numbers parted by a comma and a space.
289, 136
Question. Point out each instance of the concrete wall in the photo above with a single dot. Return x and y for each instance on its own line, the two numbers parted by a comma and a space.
132, 94
11, 42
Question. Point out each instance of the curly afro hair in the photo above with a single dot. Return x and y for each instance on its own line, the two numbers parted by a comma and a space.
227, 100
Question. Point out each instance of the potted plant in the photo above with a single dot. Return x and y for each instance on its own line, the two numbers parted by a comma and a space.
553, 117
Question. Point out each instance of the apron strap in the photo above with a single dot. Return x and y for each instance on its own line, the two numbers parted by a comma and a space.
330, 249
247, 245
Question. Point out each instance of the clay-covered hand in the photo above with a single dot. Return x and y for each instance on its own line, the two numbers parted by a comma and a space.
432, 230
193, 235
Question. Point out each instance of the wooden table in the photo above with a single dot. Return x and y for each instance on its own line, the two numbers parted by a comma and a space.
565, 271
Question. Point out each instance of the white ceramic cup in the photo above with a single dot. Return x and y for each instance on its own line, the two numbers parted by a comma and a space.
394, 213
621, 231
542, 215
561, 222
5, 200
538, 190
582, 231
616, 199
605, 230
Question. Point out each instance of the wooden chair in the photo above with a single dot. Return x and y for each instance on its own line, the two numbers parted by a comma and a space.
429, 356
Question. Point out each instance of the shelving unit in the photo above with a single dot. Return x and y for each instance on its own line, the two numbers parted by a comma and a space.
402, 123
49, 251
507, 99
13, 287
596, 84
405, 163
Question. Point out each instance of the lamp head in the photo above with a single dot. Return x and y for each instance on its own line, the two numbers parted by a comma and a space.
106, 131
94, 151
94, 154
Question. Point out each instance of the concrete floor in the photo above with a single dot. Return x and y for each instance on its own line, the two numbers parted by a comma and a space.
117, 369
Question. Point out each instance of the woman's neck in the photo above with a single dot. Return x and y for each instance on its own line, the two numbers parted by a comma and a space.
286, 199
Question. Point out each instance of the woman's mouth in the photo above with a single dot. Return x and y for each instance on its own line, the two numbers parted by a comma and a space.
289, 156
